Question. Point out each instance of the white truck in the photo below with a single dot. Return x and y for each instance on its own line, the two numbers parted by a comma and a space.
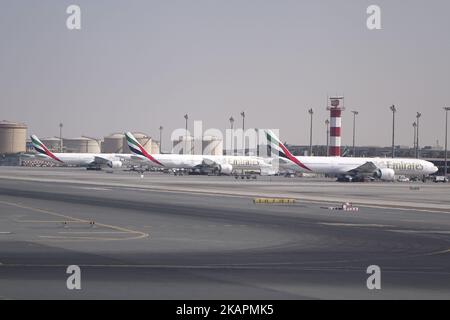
443, 179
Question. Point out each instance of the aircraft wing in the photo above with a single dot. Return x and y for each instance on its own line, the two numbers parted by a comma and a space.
41, 156
105, 161
133, 157
31, 156
101, 160
367, 168
209, 163
283, 161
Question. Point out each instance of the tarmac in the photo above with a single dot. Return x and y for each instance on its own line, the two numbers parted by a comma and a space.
198, 237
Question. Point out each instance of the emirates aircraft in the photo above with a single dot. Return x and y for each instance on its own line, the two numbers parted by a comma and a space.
350, 169
89, 160
225, 165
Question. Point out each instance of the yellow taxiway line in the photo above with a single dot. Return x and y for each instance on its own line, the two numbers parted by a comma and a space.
138, 234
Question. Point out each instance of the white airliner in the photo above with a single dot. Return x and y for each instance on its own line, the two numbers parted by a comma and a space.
89, 160
225, 165
351, 169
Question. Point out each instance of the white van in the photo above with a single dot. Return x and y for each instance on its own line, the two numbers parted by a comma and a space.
443, 179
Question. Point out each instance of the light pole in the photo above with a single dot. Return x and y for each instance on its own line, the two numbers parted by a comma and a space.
415, 136
257, 141
243, 132
327, 124
446, 135
186, 117
355, 113
394, 110
311, 112
418, 115
232, 134
160, 138
60, 137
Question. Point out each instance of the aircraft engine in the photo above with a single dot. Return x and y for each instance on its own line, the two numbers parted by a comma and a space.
115, 164
226, 169
385, 174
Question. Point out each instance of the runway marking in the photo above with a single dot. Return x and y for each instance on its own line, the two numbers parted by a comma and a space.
355, 225
5, 232
93, 232
402, 208
139, 234
48, 221
92, 188
41, 210
64, 238
233, 267
185, 240
421, 231
375, 206
438, 252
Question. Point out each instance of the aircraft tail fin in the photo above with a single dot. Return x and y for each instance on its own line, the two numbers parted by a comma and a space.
42, 149
279, 149
138, 149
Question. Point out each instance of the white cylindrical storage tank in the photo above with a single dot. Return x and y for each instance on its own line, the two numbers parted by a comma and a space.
212, 146
53, 144
13, 137
114, 143
145, 141
182, 143
155, 147
81, 145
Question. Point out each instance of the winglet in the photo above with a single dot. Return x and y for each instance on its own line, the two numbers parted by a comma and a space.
138, 149
283, 152
41, 148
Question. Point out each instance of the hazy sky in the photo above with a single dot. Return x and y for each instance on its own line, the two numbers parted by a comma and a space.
136, 65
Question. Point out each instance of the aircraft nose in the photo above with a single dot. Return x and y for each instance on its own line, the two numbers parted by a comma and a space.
434, 169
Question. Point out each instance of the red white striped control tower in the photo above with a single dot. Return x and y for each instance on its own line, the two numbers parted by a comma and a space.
336, 107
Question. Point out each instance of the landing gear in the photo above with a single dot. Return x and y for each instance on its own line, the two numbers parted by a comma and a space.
93, 168
349, 178
245, 176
